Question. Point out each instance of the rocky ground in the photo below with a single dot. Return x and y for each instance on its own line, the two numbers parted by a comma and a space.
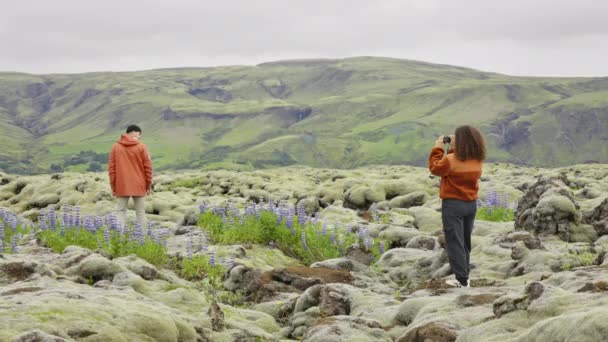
541, 277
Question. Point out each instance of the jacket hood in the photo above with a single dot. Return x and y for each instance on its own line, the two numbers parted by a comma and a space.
126, 140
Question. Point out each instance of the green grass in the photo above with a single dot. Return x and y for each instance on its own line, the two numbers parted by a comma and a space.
495, 214
199, 267
9, 234
116, 245
266, 230
578, 259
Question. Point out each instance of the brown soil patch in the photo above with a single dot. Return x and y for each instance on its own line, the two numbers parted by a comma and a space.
600, 286
20, 290
366, 215
436, 286
326, 275
430, 332
17, 270
476, 300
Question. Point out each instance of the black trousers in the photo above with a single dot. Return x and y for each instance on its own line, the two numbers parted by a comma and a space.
458, 218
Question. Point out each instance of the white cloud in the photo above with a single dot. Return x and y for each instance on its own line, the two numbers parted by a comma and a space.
523, 37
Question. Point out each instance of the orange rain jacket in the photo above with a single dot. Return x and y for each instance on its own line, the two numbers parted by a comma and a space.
129, 167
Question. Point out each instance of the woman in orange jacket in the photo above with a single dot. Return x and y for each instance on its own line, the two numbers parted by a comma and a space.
460, 170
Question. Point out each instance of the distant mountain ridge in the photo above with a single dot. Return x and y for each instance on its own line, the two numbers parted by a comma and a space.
337, 113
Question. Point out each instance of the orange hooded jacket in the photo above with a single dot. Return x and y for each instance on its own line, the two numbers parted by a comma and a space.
129, 167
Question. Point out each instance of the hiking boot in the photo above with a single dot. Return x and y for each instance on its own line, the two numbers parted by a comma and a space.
453, 283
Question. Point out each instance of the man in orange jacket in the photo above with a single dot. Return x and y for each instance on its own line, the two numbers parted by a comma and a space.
130, 170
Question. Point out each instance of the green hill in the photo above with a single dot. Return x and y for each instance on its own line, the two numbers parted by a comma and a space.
325, 113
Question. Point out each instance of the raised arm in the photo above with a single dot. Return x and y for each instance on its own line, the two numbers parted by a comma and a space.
438, 164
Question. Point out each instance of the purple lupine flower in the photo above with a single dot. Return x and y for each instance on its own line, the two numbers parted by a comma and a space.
360, 232
493, 199
332, 237
156, 237
324, 229
369, 243
270, 205
289, 221
113, 222
98, 222
67, 212
86, 223
304, 245
106, 235
2, 232
139, 234
52, 218
230, 262
14, 246
203, 208
42, 220
13, 222
381, 247
506, 201
77, 218
301, 214
212, 258
1, 246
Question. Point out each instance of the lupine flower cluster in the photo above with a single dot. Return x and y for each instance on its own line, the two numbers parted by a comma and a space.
496, 207
71, 227
284, 226
11, 231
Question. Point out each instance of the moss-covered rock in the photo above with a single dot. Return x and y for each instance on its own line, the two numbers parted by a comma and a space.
416, 198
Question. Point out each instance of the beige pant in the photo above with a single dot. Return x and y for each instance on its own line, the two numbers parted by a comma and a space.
140, 209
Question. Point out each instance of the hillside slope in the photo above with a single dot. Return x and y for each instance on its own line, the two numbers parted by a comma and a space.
323, 113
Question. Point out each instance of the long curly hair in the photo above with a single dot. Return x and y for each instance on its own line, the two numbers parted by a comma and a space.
470, 143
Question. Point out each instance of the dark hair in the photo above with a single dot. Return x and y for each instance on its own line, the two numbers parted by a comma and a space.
469, 143
133, 128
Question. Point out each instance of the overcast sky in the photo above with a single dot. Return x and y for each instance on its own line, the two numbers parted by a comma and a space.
518, 37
